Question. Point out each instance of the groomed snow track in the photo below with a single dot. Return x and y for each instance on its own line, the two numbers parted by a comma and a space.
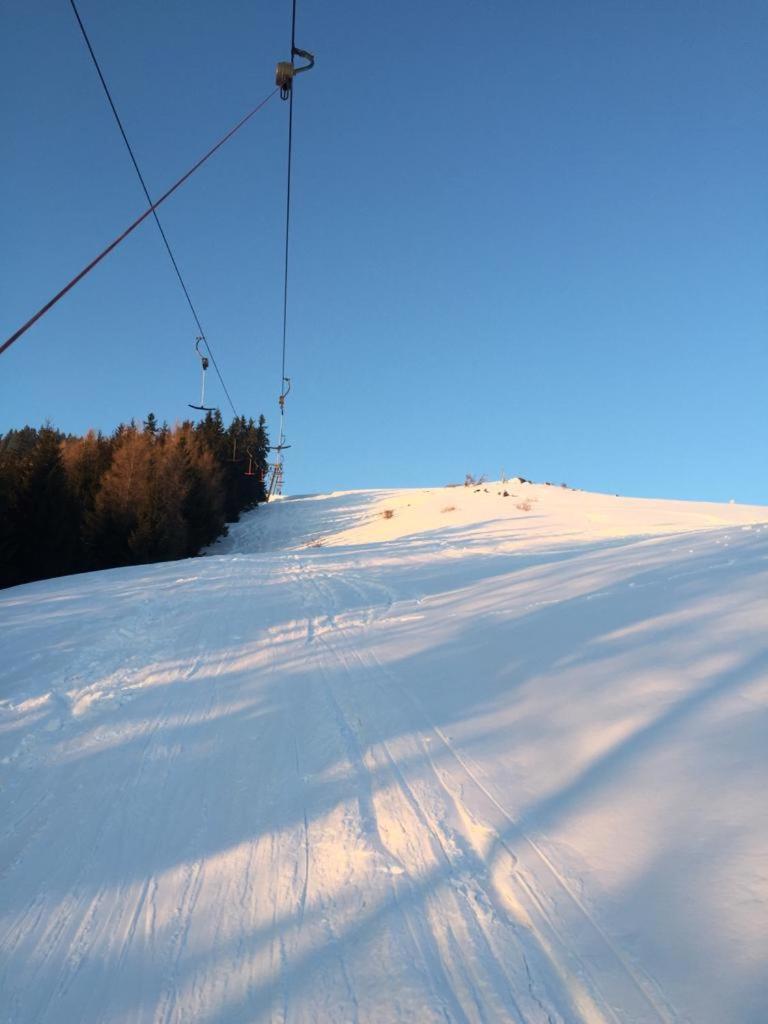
361, 767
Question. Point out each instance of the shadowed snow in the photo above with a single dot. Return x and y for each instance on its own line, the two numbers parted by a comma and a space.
421, 755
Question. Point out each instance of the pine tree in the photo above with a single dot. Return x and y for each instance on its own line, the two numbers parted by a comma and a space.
203, 507
118, 501
261, 438
43, 515
143, 495
160, 531
85, 460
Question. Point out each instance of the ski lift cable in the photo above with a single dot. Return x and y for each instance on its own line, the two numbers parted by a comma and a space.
163, 235
286, 72
287, 219
132, 227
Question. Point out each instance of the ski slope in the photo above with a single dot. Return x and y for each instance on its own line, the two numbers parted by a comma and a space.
431, 755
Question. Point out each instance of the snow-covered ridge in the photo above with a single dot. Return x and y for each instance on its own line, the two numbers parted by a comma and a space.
415, 755
497, 509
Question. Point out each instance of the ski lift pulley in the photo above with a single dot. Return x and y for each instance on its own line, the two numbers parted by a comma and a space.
286, 71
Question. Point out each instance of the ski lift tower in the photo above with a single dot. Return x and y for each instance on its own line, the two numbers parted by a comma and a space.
276, 479
276, 476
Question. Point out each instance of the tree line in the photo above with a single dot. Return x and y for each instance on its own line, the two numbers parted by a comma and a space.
146, 493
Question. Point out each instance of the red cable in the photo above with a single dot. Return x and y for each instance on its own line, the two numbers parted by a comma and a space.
86, 270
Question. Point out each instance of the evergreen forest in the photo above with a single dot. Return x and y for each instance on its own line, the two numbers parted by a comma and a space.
146, 493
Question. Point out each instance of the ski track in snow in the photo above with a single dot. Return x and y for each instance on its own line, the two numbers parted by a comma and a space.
439, 766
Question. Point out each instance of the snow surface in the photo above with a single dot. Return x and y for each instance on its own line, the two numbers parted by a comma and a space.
423, 755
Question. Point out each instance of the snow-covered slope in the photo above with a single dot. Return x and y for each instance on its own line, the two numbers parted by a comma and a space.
425, 755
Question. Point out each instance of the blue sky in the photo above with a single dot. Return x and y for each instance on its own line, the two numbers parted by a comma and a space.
526, 235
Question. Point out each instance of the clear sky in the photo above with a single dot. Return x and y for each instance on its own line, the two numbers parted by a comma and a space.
529, 235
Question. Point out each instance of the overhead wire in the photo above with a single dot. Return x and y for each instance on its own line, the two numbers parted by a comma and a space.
287, 242
285, 75
132, 227
288, 196
163, 235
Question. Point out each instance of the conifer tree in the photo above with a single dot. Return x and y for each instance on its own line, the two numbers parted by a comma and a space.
261, 438
116, 507
16, 449
43, 514
160, 532
85, 460
147, 493
203, 506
